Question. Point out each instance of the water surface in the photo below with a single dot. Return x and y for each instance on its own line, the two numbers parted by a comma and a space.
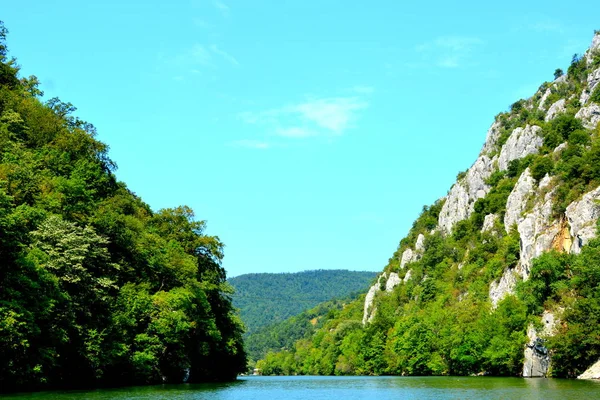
344, 388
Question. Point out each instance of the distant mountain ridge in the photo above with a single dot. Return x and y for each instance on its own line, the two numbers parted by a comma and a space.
267, 298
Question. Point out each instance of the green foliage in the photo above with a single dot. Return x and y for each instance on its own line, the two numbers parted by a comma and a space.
595, 96
558, 73
264, 299
95, 287
540, 167
282, 335
575, 281
559, 130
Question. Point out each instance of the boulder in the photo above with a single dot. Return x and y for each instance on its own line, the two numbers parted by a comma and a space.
592, 372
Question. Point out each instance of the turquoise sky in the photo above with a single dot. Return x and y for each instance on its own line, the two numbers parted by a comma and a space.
309, 134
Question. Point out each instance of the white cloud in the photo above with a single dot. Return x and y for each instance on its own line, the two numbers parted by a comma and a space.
363, 89
215, 49
547, 25
200, 55
252, 144
295, 132
200, 23
198, 58
314, 117
222, 7
334, 114
449, 51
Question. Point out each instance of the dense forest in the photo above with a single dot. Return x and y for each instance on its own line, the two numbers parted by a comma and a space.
282, 335
96, 288
439, 319
266, 298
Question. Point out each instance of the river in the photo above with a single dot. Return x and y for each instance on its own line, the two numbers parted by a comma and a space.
344, 388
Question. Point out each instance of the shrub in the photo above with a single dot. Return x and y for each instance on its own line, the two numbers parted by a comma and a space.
540, 167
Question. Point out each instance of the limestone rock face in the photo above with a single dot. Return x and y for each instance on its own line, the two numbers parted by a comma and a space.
517, 200
522, 142
555, 109
595, 46
503, 287
537, 232
462, 196
592, 80
488, 222
537, 359
407, 276
407, 256
582, 216
420, 243
560, 147
369, 311
545, 181
547, 93
592, 372
589, 116
392, 282
491, 138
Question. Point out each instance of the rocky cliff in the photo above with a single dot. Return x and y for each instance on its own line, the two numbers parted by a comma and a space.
546, 204
502, 275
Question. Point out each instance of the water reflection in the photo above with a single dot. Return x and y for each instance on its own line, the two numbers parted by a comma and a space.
345, 388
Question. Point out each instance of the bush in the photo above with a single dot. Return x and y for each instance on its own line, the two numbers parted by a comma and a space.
540, 167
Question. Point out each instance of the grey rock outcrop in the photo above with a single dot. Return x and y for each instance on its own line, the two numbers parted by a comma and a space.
503, 287
407, 256
392, 282
543, 99
537, 232
594, 47
592, 81
555, 109
459, 202
491, 138
407, 276
517, 200
560, 147
582, 216
537, 358
420, 244
521, 142
369, 310
592, 372
488, 222
589, 116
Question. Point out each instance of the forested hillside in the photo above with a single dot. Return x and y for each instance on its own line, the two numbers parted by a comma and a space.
266, 298
96, 288
502, 276
282, 335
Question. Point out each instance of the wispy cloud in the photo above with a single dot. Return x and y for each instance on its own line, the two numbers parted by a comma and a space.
200, 55
295, 132
222, 7
330, 116
216, 50
251, 144
360, 89
449, 51
547, 25
201, 23
198, 58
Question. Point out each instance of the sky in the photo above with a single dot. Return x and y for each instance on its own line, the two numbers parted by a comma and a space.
308, 134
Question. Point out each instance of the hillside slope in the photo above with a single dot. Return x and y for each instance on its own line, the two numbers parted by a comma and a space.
266, 298
95, 287
502, 275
